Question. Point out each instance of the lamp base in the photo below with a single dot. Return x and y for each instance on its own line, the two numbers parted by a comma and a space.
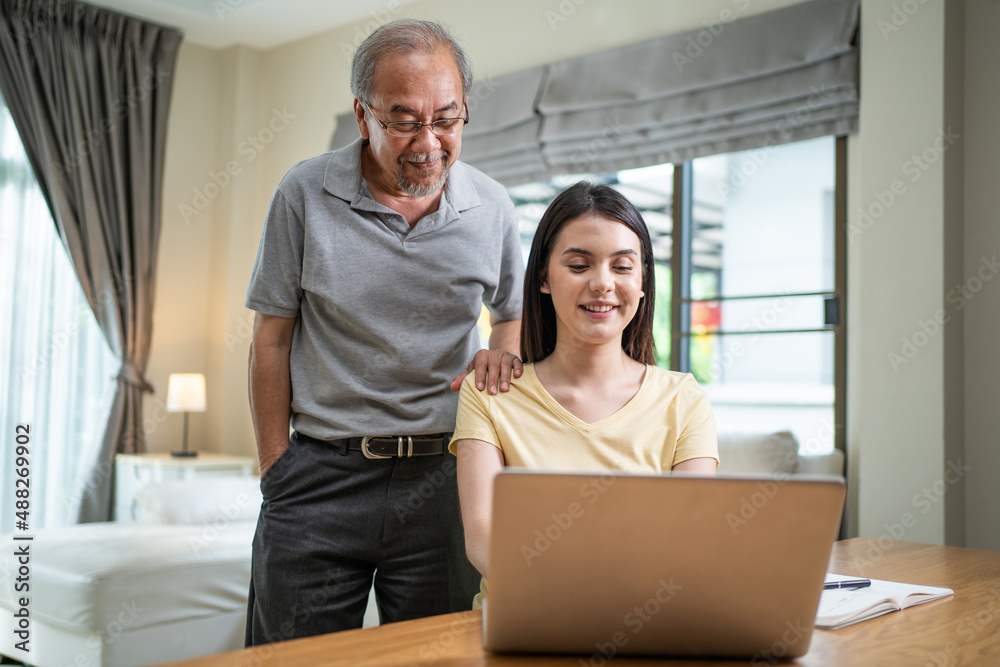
184, 452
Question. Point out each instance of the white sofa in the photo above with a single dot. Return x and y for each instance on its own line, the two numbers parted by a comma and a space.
171, 586
139, 593
772, 453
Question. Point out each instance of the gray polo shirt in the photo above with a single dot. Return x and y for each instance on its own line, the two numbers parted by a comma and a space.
386, 315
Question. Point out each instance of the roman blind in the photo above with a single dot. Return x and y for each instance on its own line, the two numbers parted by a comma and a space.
734, 84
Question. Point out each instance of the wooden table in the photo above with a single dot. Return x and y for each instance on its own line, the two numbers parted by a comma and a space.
960, 630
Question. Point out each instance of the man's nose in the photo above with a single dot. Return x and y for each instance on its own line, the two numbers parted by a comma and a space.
425, 141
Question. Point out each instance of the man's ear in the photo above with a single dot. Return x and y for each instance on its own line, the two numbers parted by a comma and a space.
359, 114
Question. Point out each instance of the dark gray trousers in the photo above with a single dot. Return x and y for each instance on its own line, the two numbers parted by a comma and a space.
330, 522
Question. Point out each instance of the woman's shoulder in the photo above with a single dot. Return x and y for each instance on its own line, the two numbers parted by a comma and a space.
666, 377
673, 383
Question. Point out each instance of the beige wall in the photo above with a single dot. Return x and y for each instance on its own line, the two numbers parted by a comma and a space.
897, 424
182, 327
901, 268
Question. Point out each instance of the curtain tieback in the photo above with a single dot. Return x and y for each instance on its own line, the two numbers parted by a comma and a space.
129, 374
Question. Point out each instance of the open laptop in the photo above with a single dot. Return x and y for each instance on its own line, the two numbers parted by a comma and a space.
619, 564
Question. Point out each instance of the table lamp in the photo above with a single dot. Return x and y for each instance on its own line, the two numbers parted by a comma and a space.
185, 393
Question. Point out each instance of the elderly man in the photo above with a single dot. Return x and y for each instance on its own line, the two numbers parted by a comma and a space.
372, 269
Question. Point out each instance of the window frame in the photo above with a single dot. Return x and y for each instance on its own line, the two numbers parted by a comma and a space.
682, 257
681, 269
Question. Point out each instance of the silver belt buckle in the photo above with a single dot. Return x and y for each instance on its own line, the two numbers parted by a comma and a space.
368, 452
408, 452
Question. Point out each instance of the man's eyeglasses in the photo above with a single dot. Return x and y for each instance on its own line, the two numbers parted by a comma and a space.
442, 127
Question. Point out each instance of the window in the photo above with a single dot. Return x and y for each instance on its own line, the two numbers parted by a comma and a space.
751, 298
56, 370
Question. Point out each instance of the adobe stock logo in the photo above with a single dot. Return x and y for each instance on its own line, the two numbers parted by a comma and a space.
699, 42
915, 167
749, 507
248, 149
592, 490
957, 298
635, 620
565, 9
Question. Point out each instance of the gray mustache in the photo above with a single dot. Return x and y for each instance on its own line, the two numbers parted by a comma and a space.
422, 157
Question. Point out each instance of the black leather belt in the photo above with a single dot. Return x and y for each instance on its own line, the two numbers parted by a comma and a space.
388, 446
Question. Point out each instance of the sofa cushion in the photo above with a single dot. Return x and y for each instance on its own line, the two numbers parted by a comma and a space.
200, 501
830, 463
758, 452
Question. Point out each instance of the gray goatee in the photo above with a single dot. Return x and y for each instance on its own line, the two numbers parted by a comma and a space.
421, 189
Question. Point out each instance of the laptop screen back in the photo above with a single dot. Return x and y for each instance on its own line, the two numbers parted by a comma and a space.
658, 565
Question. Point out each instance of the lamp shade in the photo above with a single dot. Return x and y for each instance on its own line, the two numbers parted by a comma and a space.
186, 392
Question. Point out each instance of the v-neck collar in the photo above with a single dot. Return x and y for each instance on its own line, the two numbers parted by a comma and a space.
574, 421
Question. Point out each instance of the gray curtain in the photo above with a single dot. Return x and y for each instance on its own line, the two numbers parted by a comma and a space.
735, 84
89, 90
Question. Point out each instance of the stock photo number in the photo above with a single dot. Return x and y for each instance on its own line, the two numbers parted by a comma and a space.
22, 468
22, 552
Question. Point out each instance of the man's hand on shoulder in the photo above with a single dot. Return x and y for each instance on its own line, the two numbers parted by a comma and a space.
493, 369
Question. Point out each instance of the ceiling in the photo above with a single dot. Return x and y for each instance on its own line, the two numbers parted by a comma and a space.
261, 24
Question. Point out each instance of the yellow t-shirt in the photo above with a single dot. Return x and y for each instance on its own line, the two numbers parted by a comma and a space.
669, 420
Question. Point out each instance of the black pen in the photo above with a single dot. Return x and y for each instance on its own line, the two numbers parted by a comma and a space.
847, 583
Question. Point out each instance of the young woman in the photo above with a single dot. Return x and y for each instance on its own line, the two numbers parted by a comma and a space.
591, 397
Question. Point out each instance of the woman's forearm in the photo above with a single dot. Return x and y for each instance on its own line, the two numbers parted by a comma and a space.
478, 464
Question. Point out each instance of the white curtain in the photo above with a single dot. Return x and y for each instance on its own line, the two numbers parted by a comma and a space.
56, 370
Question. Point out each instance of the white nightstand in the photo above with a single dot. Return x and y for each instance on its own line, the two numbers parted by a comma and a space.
134, 471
